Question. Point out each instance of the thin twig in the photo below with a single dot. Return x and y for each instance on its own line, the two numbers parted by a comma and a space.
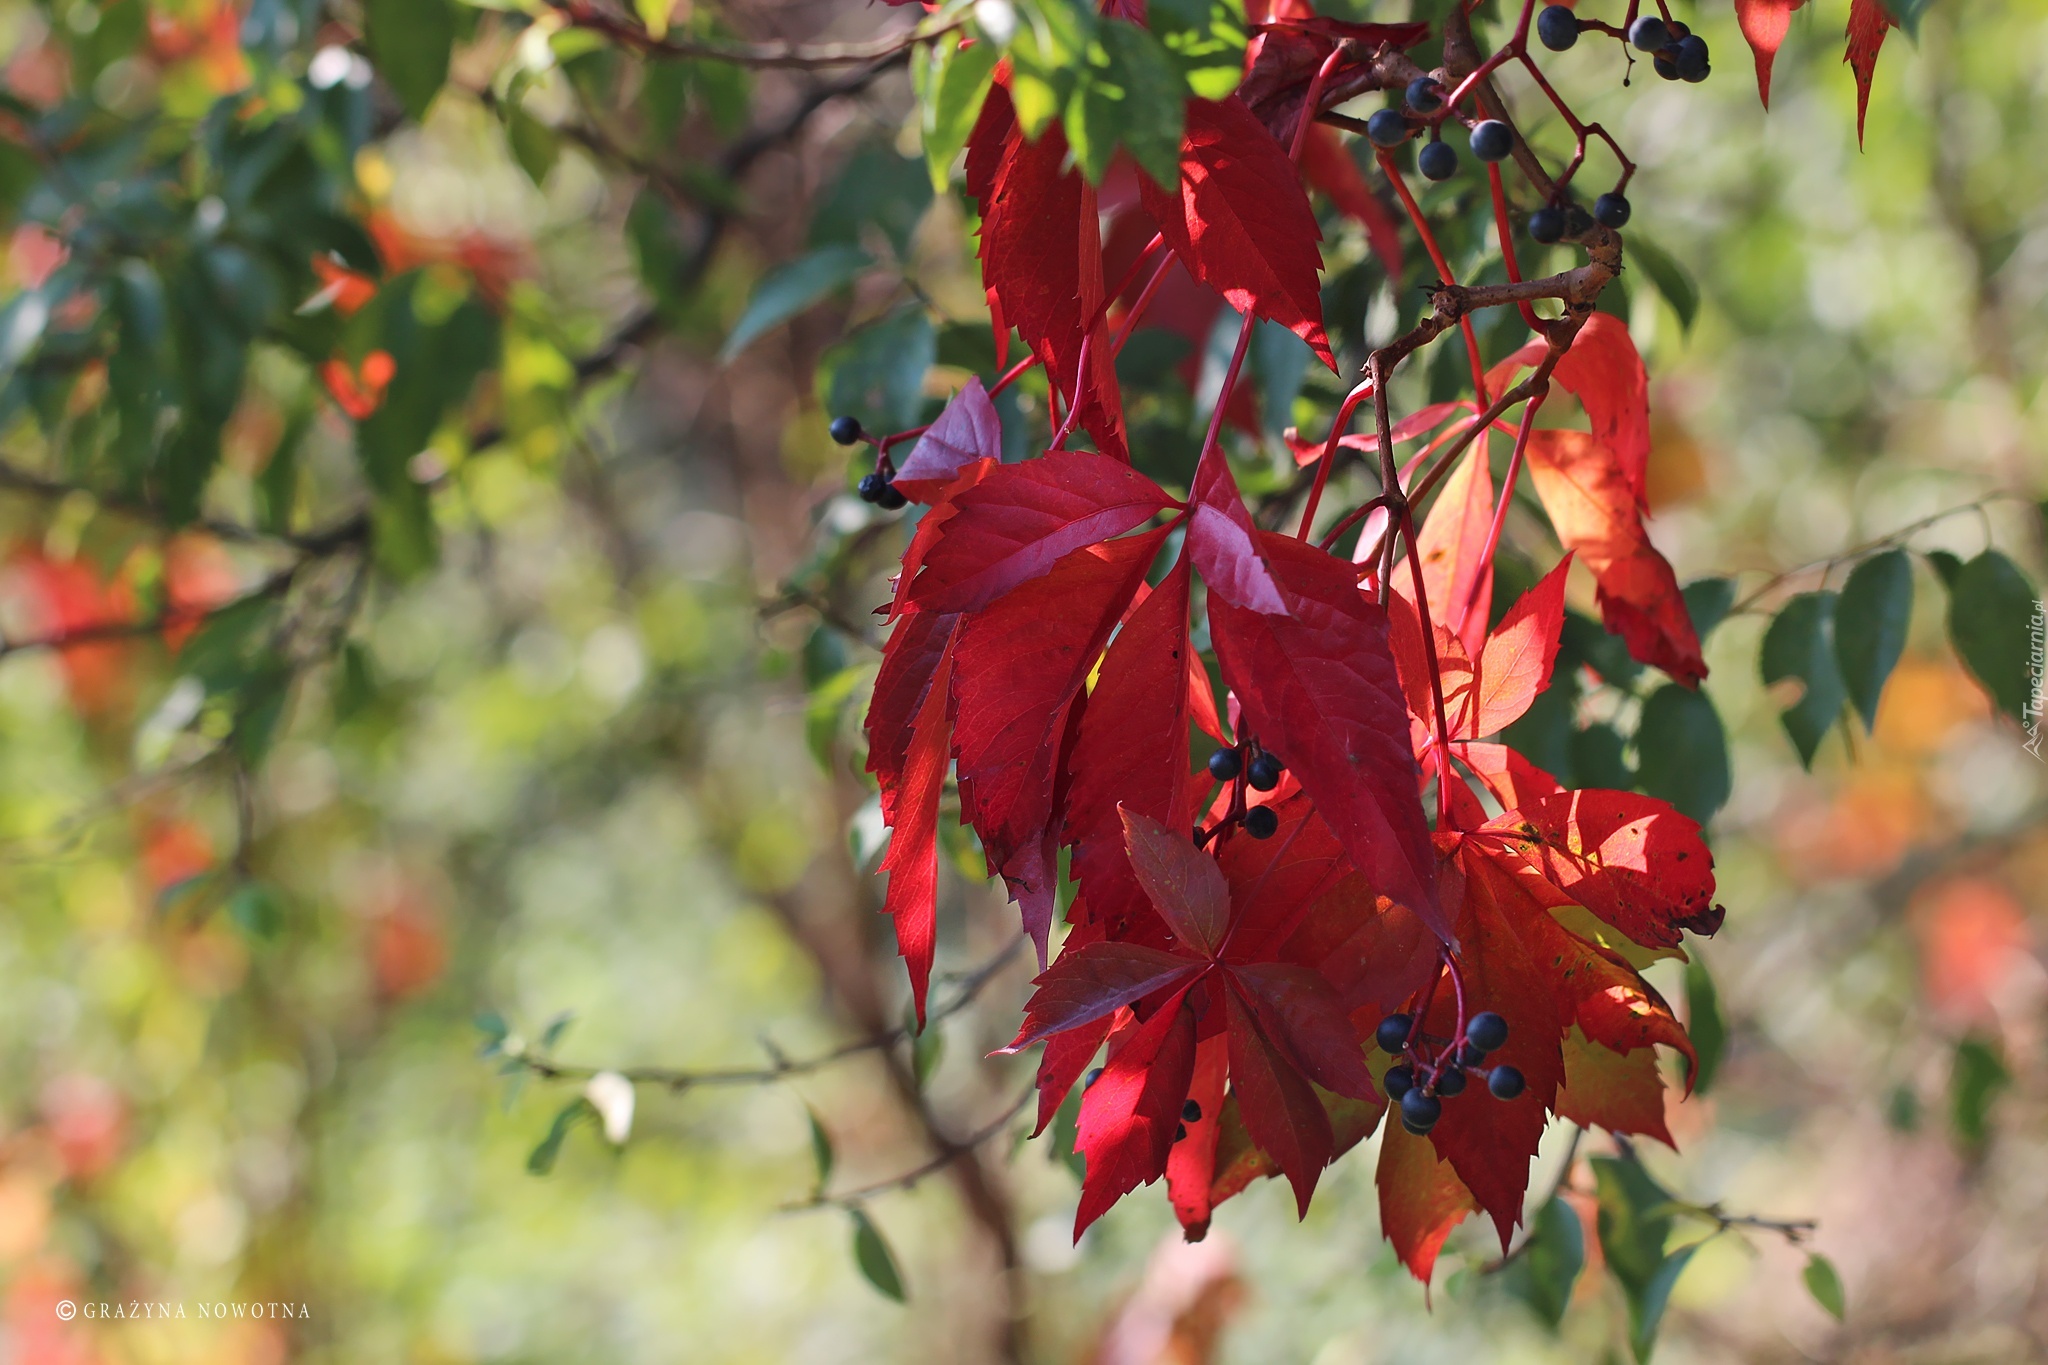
949, 1152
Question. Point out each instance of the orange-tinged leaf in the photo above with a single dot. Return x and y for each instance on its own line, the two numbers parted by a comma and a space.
1421, 1199
1191, 1166
1595, 514
1619, 1091
1630, 859
1452, 539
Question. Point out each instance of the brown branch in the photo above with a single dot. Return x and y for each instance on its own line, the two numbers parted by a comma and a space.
782, 1068
786, 56
948, 1152
1869, 547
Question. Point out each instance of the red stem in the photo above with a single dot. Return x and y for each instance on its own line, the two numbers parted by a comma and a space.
1500, 511
1328, 458
1059, 440
1443, 267
1507, 245
1436, 680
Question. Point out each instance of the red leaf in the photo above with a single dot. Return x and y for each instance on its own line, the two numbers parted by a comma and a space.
1183, 883
1327, 166
1133, 750
917, 647
930, 527
913, 859
1280, 1110
1094, 981
1764, 24
968, 430
1514, 781
1020, 519
1065, 1057
1222, 543
1596, 516
1129, 1114
1318, 687
1630, 859
1421, 1199
1041, 258
1017, 667
1620, 1092
1452, 539
1191, 1166
1489, 1141
1302, 1017
1241, 222
1282, 57
1868, 23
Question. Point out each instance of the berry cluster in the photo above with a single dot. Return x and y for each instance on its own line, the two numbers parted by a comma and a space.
1253, 767
877, 487
1677, 53
1421, 1084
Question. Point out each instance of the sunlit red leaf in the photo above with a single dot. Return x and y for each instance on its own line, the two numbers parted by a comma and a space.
1604, 371
1765, 23
1452, 540
968, 430
1241, 222
1191, 1165
1128, 1116
1630, 859
1318, 687
1020, 519
913, 859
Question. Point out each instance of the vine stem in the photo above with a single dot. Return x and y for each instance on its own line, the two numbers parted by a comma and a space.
1329, 456
1500, 510
1436, 688
1507, 245
949, 1152
1436, 258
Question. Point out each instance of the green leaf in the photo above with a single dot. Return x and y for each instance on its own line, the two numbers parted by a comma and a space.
873, 1257
1550, 1262
1707, 601
1978, 1076
790, 289
654, 14
1281, 361
876, 189
1205, 40
1870, 627
495, 1030
1066, 1134
410, 43
1825, 1285
1991, 620
1948, 566
1604, 653
1800, 644
1907, 13
1672, 280
877, 373
1682, 751
953, 84
927, 1049
535, 146
557, 1026
1646, 1310
821, 1148
1050, 47
1129, 95
1634, 1220
576, 1111
256, 910
1703, 1023
1596, 758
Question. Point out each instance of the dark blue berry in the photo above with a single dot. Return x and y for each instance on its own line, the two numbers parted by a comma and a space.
1664, 67
1557, 27
1547, 224
1611, 209
845, 430
1419, 1112
1469, 1055
1677, 29
1264, 772
1398, 1081
1492, 140
1452, 1082
1387, 128
1695, 77
1505, 1082
890, 499
1424, 95
1180, 1130
1225, 765
1094, 1075
1691, 60
1191, 1112
1486, 1031
1392, 1034
1437, 161
1260, 822
871, 487
1649, 33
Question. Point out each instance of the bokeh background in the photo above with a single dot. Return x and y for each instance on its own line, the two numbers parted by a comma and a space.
594, 777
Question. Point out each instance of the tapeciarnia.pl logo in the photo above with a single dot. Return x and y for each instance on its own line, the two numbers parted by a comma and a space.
2037, 675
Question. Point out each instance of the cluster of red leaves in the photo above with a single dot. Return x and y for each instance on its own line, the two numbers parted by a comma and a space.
1044, 646
1766, 22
